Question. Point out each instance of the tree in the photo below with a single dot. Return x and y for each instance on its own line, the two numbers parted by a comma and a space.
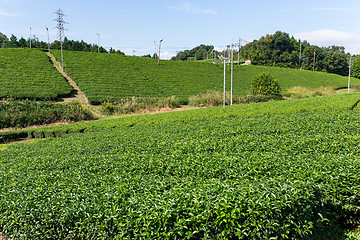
3, 40
282, 50
113, 51
265, 84
200, 52
22, 42
13, 41
355, 69
336, 62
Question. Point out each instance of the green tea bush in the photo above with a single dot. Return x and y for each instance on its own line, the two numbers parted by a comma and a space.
279, 170
28, 74
110, 77
265, 84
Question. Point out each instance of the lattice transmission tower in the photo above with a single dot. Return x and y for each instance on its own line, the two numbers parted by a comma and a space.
61, 31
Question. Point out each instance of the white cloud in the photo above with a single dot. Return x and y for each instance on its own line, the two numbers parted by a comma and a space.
167, 55
328, 37
219, 49
188, 7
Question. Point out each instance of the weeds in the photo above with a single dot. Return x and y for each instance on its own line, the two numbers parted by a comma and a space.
137, 104
17, 113
216, 98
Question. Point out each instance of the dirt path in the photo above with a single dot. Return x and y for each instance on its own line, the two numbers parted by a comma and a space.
76, 95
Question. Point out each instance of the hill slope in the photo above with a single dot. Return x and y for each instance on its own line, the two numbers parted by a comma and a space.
112, 77
28, 73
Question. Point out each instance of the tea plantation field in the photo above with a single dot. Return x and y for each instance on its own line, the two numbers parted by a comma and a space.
28, 73
277, 170
112, 77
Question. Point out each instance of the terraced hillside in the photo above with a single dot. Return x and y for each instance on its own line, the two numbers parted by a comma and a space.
112, 77
278, 170
28, 73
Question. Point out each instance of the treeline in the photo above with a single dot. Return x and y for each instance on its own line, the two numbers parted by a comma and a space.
72, 45
198, 53
282, 50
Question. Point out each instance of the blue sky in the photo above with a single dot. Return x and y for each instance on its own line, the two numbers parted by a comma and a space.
134, 25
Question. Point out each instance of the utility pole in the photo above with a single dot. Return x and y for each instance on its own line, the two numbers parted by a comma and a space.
159, 51
349, 74
47, 29
155, 50
224, 78
239, 51
61, 30
228, 56
98, 42
232, 71
300, 55
314, 60
30, 37
224, 58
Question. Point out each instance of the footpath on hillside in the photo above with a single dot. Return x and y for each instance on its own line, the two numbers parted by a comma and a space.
77, 94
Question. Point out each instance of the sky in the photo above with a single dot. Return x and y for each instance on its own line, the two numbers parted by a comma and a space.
137, 26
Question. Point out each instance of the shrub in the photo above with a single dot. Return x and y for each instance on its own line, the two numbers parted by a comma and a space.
216, 98
209, 99
264, 84
17, 113
107, 108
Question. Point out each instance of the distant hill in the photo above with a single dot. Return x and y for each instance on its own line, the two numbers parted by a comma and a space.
28, 73
113, 77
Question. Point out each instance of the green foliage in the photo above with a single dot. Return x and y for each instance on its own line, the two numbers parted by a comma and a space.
197, 53
25, 113
112, 77
216, 98
28, 73
327, 103
355, 69
284, 169
289, 78
265, 84
71, 45
282, 50
209, 99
